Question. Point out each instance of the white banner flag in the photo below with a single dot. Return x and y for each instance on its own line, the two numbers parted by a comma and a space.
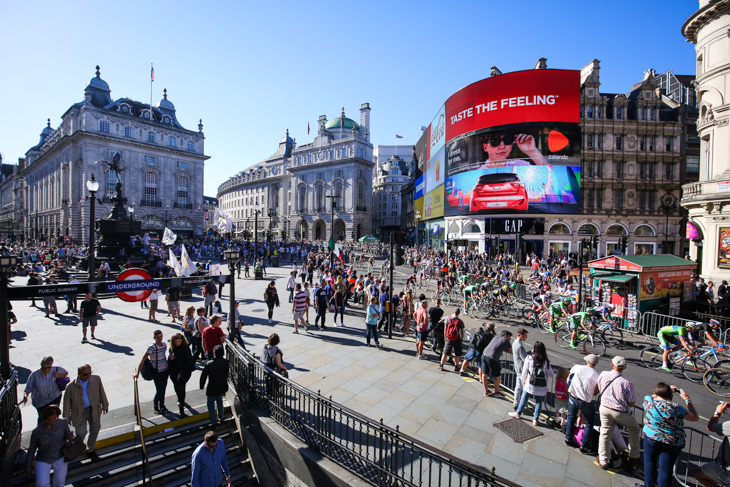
168, 238
187, 266
174, 263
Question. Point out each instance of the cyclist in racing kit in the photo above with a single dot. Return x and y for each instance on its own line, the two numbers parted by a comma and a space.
703, 333
668, 337
469, 291
581, 319
558, 309
604, 312
501, 295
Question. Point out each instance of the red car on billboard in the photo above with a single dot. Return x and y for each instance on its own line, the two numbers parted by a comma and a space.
500, 191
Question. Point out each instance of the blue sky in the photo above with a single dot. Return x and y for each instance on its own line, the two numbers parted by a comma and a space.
251, 70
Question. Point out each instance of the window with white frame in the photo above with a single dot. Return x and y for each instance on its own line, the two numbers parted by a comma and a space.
150, 189
129, 132
104, 126
619, 113
183, 166
619, 142
182, 191
191, 145
151, 160
171, 142
111, 181
151, 137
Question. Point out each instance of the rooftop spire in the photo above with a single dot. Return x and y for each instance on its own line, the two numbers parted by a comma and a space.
98, 73
164, 93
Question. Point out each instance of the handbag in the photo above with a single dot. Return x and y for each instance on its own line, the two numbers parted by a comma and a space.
61, 382
148, 372
73, 449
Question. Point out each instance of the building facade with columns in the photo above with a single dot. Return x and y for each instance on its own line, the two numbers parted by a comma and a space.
633, 165
291, 193
162, 162
708, 200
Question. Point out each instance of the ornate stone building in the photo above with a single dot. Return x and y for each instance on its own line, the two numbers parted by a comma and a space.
163, 167
708, 201
291, 192
390, 177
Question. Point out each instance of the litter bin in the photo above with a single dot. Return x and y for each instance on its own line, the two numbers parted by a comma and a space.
275, 260
258, 273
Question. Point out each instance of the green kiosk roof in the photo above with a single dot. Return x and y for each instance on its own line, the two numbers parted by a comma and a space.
606, 276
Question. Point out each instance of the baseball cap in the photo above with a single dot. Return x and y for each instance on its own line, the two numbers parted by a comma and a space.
73, 276
592, 359
619, 361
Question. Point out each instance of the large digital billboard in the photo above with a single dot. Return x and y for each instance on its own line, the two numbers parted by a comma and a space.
507, 144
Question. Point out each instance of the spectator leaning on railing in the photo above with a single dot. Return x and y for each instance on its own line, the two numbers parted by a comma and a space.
717, 472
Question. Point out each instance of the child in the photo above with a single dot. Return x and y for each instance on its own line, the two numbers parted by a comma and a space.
561, 396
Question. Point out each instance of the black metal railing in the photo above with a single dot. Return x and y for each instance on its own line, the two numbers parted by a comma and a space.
11, 423
371, 450
361, 208
146, 472
188, 206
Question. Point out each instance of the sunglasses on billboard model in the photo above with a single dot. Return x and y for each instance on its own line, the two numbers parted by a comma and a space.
507, 139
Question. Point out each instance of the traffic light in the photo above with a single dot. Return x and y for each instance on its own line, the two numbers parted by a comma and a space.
500, 244
594, 240
399, 256
283, 235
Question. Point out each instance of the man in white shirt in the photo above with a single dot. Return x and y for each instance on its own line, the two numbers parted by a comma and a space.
518, 355
582, 380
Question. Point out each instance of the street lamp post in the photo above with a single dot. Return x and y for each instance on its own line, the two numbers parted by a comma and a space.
166, 216
332, 230
7, 262
93, 186
271, 213
131, 212
35, 232
232, 255
256, 213
417, 214
667, 202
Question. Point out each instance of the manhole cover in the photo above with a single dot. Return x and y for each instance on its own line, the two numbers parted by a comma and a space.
518, 430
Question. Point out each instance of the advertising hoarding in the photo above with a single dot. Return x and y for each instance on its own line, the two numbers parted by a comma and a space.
507, 144
433, 204
723, 249
420, 186
656, 285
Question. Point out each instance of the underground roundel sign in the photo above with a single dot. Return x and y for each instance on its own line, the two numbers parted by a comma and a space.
133, 285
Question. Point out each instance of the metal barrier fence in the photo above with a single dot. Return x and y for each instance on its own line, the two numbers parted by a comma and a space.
11, 423
371, 450
652, 322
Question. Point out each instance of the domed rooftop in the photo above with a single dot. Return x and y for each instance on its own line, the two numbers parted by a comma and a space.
165, 104
336, 123
47, 130
286, 139
97, 82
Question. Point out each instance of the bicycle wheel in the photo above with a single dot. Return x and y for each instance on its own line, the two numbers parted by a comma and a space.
613, 336
694, 368
594, 344
529, 317
562, 337
467, 336
717, 379
651, 357
544, 326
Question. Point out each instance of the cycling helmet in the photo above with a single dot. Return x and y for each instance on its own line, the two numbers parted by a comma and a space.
693, 325
505, 287
513, 285
590, 310
566, 301
714, 323
546, 287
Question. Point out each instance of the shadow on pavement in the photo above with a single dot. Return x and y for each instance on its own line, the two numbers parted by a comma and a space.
111, 347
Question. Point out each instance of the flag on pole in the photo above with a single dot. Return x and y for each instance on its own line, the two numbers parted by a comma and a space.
307, 128
187, 266
337, 253
398, 136
168, 238
152, 73
174, 263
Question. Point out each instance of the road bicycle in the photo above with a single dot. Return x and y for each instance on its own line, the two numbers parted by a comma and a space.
692, 365
611, 333
590, 341
717, 378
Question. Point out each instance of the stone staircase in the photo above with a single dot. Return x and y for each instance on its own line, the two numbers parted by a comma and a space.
169, 454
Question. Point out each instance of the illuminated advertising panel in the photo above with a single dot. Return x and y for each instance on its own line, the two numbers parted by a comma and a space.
723, 252
433, 204
420, 186
507, 144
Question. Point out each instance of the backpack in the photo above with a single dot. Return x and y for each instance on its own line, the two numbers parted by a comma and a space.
480, 340
211, 289
452, 329
537, 378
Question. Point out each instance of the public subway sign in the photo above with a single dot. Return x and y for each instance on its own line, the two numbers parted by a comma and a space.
525, 226
105, 287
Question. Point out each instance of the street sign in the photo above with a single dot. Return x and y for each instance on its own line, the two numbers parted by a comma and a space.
134, 285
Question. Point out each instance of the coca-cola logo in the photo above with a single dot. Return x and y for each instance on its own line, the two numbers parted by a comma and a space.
438, 132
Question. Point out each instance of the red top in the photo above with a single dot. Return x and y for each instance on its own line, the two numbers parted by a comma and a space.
212, 337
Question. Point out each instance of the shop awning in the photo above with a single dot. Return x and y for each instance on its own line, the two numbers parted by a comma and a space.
605, 276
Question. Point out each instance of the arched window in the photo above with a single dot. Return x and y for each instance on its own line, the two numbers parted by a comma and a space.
644, 231
454, 228
361, 194
473, 228
319, 198
339, 203
111, 181
616, 230
559, 229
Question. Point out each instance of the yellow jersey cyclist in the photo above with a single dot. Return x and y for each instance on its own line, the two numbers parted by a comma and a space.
669, 336
501, 295
558, 309
704, 334
581, 319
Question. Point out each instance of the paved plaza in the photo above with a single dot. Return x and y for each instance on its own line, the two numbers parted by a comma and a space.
440, 408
